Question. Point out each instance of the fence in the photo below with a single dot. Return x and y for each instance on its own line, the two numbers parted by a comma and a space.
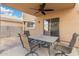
8, 31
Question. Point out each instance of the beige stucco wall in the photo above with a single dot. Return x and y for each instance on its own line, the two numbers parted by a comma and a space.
9, 28
69, 23
9, 23
38, 28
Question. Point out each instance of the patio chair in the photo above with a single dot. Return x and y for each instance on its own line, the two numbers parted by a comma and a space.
45, 45
27, 33
65, 50
28, 45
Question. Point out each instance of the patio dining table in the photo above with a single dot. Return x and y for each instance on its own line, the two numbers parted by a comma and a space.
48, 39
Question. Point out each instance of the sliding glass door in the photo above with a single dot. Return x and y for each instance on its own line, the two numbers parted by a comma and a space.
51, 27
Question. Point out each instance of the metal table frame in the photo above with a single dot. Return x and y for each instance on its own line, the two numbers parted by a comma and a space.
48, 39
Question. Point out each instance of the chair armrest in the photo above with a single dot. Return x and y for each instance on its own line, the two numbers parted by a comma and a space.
57, 44
63, 44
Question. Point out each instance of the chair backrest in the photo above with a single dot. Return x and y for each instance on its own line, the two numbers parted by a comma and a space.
73, 40
27, 33
24, 40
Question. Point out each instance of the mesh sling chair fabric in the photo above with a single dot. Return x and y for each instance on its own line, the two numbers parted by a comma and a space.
64, 50
28, 45
27, 33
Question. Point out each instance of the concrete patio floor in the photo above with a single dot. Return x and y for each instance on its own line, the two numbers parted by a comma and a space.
18, 50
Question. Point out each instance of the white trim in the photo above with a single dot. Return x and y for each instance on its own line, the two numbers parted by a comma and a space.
11, 17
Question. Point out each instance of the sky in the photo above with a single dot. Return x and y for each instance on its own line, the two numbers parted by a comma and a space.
10, 11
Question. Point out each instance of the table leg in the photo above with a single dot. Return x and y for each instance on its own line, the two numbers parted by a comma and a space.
49, 48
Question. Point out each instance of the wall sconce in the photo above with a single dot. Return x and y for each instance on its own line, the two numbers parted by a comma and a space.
38, 21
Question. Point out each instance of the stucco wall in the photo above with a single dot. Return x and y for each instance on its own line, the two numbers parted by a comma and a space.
38, 26
9, 28
9, 23
69, 23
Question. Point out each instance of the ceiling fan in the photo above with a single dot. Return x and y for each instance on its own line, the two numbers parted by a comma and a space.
42, 9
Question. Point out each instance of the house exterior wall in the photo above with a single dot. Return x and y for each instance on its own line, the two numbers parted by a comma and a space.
9, 23
38, 30
69, 23
9, 28
38, 26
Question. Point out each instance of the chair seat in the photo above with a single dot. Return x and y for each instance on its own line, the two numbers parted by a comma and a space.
29, 44
44, 44
64, 49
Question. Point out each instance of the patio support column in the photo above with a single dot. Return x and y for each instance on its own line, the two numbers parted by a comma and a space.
23, 23
0, 25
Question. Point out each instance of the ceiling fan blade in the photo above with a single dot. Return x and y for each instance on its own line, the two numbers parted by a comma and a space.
49, 10
36, 12
33, 8
43, 13
42, 6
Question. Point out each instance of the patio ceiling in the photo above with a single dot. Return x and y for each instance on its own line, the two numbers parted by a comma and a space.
25, 7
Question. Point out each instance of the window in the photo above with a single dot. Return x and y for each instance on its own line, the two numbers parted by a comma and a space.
31, 24
51, 27
46, 25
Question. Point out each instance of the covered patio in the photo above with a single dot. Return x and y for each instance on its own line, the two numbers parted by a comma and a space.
15, 48
61, 22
